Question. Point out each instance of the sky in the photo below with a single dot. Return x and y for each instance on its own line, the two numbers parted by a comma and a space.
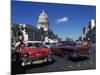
64, 19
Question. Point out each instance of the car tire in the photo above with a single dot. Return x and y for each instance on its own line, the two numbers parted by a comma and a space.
15, 56
66, 56
49, 59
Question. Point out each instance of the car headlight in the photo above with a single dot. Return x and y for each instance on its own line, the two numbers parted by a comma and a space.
49, 52
25, 55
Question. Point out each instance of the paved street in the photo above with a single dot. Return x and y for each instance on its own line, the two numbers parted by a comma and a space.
59, 64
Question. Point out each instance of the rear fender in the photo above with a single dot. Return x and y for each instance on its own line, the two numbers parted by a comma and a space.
67, 50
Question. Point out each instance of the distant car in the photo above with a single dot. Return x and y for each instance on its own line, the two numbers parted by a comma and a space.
69, 49
34, 53
48, 44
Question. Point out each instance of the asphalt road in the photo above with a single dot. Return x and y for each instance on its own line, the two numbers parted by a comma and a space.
59, 64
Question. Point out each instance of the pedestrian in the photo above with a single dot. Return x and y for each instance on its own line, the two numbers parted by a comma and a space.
19, 45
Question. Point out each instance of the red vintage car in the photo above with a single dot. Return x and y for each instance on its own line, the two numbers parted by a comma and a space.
33, 52
70, 49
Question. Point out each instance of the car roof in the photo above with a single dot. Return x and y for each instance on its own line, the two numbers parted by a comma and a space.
33, 42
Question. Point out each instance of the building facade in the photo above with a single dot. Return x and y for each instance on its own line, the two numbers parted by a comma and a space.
43, 25
43, 21
27, 32
24, 32
89, 31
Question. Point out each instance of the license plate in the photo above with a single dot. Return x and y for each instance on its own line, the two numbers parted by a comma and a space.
38, 62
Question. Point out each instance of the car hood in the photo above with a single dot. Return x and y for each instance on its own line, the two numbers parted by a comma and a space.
75, 46
35, 50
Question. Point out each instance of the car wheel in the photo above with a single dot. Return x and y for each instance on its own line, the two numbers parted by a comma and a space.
66, 56
14, 56
49, 59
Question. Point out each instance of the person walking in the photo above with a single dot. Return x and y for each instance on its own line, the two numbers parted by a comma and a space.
19, 45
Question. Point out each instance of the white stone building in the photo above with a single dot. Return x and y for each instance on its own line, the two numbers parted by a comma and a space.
25, 32
89, 31
44, 23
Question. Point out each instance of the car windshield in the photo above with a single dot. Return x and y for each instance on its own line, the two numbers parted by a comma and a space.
60, 43
70, 43
48, 43
34, 45
64, 43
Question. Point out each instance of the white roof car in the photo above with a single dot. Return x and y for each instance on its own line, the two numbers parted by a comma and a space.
32, 42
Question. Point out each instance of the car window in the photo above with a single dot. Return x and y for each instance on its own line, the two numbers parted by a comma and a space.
60, 44
30, 45
38, 44
34, 45
53, 44
48, 43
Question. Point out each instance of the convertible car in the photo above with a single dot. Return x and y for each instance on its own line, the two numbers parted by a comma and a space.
33, 53
70, 49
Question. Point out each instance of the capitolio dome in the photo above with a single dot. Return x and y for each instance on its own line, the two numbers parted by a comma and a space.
43, 17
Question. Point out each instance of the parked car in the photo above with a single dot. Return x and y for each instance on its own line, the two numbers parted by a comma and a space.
34, 53
49, 44
69, 49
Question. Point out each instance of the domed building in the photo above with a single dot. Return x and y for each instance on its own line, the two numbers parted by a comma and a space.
28, 32
43, 25
43, 21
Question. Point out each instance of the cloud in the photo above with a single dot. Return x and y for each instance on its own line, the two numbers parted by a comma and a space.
61, 20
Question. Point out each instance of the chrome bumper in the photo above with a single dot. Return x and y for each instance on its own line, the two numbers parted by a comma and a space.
36, 61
